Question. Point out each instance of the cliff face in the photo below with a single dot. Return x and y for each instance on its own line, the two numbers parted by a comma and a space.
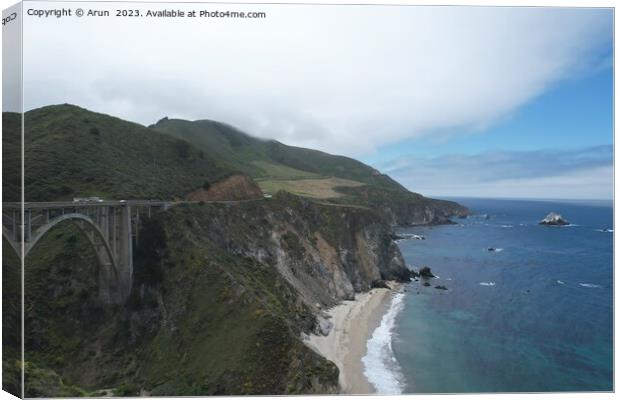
327, 253
426, 212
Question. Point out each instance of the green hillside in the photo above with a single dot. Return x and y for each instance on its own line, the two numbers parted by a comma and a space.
267, 160
310, 173
72, 152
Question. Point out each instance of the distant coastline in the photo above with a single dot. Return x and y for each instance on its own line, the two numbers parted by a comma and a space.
592, 202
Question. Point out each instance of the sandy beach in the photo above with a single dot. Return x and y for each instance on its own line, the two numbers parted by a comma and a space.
354, 322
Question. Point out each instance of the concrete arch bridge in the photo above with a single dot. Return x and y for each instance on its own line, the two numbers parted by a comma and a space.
110, 226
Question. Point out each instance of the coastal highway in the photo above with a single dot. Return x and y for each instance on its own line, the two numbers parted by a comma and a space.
116, 203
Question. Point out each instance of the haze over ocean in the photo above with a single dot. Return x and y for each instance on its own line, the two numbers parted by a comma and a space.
534, 315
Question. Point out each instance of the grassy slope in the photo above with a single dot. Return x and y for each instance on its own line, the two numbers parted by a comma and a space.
219, 140
70, 152
324, 188
269, 159
330, 165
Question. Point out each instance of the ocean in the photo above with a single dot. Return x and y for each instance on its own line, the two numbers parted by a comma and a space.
535, 315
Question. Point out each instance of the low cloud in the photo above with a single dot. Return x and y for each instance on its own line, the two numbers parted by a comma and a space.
343, 79
585, 173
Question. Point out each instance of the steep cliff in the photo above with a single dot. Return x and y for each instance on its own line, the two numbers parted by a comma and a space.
326, 252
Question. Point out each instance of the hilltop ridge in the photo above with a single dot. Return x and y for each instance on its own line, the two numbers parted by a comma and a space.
267, 158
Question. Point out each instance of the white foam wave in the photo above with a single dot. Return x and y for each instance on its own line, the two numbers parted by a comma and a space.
487, 283
605, 230
590, 285
380, 365
507, 226
560, 282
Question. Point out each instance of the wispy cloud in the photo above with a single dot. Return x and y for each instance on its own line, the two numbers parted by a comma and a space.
580, 173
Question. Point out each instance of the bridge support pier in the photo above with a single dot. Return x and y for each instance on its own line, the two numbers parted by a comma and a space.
125, 251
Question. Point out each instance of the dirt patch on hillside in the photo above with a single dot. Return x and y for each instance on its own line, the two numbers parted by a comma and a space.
234, 188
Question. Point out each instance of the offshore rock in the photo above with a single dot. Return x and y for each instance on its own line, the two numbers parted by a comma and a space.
425, 272
553, 219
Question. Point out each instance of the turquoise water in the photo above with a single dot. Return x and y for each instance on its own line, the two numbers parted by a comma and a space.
535, 316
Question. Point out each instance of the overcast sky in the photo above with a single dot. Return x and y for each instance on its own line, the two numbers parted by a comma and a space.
358, 81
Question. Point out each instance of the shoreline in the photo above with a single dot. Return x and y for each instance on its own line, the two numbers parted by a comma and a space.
354, 322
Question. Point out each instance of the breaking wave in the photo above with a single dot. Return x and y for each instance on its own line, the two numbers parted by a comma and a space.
590, 285
380, 365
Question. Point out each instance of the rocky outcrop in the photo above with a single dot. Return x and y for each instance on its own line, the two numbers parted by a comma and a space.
234, 188
425, 272
436, 212
403, 208
554, 219
323, 326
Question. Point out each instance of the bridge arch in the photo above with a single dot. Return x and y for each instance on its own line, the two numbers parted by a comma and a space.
109, 276
87, 226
